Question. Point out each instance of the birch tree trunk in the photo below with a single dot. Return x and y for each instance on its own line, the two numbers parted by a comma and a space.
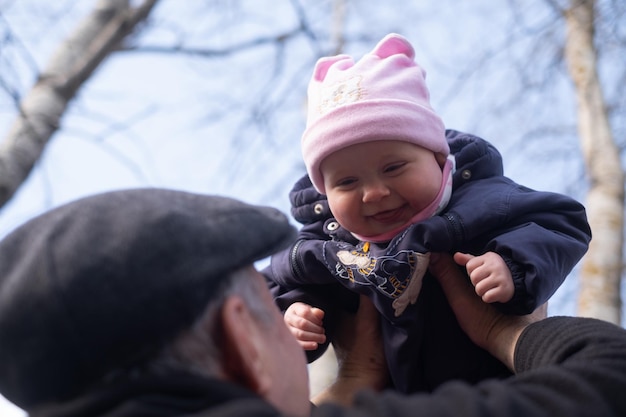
599, 294
72, 64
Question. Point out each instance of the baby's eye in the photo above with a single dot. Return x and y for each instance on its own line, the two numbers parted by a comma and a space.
394, 167
345, 182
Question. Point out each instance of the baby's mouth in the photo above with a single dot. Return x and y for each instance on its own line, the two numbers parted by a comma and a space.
389, 216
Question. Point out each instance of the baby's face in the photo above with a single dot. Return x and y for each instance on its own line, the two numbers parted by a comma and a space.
375, 187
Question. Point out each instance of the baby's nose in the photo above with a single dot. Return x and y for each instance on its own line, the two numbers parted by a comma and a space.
375, 192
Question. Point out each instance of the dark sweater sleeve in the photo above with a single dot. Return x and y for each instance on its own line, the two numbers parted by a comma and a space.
566, 366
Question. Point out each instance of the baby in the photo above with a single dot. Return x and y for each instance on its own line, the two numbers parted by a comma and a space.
386, 186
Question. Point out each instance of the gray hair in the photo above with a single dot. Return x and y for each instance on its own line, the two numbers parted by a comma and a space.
197, 350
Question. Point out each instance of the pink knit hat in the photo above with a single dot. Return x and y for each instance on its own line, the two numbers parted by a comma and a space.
381, 97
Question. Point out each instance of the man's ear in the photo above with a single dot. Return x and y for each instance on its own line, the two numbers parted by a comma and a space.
244, 347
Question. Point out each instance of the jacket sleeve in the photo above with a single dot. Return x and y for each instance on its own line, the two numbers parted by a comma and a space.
546, 235
565, 366
299, 274
541, 235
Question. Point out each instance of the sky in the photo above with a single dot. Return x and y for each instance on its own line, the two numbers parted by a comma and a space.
206, 125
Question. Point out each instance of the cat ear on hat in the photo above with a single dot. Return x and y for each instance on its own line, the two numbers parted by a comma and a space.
323, 65
393, 44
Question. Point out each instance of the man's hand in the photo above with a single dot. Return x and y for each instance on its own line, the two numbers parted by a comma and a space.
360, 356
489, 274
485, 326
305, 323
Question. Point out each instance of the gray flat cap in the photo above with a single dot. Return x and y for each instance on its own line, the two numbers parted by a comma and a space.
101, 283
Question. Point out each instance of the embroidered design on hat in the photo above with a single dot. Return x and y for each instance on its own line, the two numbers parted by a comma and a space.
341, 93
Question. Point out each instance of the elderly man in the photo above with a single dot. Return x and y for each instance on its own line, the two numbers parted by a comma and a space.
146, 302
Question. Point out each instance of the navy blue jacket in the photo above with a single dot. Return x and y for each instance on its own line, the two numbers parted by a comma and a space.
540, 235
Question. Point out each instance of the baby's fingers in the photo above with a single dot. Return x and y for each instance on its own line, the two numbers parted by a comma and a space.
305, 324
308, 340
306, 312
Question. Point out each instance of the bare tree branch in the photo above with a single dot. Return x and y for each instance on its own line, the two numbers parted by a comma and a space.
211, 53
75, 60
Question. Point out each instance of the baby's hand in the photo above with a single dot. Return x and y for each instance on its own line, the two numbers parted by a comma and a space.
489, 274
305, 323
